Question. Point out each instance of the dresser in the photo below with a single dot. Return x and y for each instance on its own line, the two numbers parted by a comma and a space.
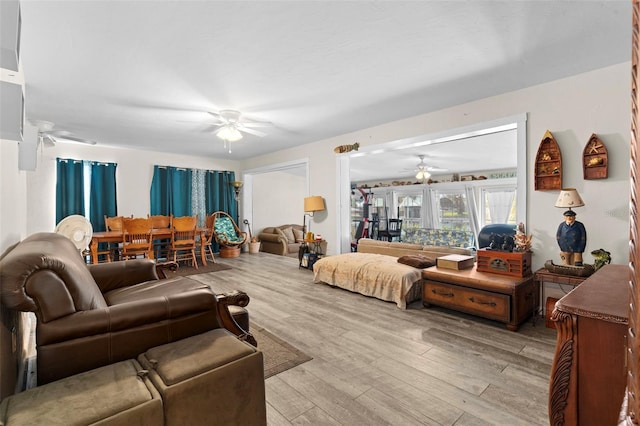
588, 374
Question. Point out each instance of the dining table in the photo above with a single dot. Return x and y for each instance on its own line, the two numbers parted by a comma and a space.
157, 233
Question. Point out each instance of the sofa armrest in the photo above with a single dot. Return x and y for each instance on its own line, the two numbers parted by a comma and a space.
236, 298
126, 316
271, 238
113, 275
273, 243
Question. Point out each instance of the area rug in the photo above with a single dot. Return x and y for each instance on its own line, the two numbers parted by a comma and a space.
278, 355
185, 270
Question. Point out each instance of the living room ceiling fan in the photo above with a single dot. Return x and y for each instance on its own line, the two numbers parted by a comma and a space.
231, 124
49, 136
423, 171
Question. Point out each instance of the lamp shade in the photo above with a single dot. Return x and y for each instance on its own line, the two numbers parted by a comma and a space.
315, 203
569, 198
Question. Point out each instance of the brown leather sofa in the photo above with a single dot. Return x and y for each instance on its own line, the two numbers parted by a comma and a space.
284, 240
93, 315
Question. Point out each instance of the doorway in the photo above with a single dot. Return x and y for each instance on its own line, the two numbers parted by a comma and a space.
262, 206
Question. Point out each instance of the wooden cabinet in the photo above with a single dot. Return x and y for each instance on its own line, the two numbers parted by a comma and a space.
588, 374
510, 300
548, 166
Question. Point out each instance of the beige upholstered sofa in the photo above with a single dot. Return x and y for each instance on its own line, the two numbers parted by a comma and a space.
283, 240
366, 245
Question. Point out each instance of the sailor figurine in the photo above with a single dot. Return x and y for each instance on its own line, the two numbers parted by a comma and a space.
572, 239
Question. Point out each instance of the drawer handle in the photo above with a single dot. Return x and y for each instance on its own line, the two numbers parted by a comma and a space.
482, 303
448, 294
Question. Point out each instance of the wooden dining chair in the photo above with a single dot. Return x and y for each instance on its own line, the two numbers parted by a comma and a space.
162, 246
183, 241
137, 238
114, 224
208, 240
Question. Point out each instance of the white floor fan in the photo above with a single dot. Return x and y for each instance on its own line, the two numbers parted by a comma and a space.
78, 229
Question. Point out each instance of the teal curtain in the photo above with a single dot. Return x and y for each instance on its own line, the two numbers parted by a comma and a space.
171, 191
69, 188
219, 195
102, 198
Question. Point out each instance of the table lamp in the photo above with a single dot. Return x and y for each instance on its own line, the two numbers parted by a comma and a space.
312, 204
571, 234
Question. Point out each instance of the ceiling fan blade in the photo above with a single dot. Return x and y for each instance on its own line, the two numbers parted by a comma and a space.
72, 139
251, 131
253, 124
215, 115
47, 140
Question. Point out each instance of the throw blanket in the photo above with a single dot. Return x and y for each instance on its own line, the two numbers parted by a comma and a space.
376, 275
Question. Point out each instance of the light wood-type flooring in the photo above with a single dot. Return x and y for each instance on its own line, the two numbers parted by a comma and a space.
374, 364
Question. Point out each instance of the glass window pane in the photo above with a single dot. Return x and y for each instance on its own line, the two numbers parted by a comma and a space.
453, 212
410, 208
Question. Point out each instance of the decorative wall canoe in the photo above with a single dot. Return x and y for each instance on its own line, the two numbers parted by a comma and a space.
595, 159
548, 165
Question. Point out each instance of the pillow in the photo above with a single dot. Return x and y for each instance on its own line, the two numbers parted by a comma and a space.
417, 261
298, 234
288, 234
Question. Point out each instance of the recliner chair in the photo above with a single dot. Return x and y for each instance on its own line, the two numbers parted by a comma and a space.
93, 315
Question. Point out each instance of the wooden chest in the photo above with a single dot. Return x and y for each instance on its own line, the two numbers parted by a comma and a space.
509, 300
515, 264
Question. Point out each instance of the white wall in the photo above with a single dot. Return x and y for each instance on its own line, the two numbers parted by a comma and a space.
277, 199
133, 176
572, 109
13, 205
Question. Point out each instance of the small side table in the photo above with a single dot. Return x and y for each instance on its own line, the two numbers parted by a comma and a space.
310, 251
543, 276
315, 246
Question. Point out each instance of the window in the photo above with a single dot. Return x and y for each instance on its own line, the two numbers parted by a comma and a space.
451, 209
498, 205
410, 210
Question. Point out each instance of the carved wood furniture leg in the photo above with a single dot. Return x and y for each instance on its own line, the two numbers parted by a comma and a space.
563, 406
237, 298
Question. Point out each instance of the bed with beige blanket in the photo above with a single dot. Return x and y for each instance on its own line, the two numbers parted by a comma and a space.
376, 275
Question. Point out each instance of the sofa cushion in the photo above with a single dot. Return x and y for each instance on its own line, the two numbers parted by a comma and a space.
298, 234
118, 393
439, 237
288, 234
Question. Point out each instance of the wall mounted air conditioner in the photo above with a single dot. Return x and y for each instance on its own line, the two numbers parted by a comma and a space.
12, 107
10, 34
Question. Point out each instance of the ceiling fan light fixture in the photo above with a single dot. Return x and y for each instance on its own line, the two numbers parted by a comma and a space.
423, 174
229, 133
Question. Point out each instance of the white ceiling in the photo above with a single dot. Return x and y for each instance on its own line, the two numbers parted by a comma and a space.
144, 74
